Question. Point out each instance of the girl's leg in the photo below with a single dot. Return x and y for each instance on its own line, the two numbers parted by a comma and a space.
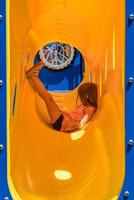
34, 70
52, 108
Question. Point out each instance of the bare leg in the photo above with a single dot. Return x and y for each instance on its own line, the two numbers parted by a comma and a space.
52, 108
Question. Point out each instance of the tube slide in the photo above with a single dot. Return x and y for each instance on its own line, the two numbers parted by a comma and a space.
44, 164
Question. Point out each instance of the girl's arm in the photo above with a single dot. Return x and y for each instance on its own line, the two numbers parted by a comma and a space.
89, 113
84, 120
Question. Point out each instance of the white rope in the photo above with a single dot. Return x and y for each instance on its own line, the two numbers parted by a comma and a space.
57, 55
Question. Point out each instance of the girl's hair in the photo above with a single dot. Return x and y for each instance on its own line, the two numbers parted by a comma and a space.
88, 94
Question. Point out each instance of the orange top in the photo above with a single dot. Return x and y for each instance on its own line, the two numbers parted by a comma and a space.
72, 119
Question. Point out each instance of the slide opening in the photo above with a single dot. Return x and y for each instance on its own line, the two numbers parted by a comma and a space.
64, 70
44, 164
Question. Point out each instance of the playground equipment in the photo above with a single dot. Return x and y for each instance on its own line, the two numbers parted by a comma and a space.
57, 55
42, 163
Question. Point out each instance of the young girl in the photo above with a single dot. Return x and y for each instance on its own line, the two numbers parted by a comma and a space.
61, 120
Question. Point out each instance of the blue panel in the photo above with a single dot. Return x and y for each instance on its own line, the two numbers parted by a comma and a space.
129, 179
4, 192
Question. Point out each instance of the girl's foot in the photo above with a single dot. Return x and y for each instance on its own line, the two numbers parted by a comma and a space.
34, 71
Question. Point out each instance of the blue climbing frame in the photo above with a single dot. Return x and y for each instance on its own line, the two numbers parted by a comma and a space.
128, 188
4, 191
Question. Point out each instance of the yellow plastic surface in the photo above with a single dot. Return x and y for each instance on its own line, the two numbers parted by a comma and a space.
44, 164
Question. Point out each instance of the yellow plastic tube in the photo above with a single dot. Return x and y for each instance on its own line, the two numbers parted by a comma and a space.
44, 164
